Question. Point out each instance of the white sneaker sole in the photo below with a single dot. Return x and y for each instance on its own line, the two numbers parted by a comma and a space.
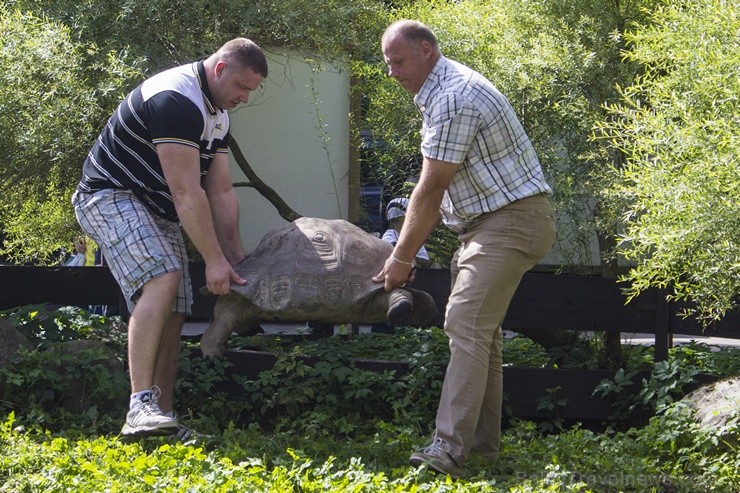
149, 431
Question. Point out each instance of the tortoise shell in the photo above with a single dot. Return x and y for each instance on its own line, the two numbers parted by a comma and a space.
313, 265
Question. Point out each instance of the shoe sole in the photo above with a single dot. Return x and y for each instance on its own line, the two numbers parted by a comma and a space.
417, 461
147, 431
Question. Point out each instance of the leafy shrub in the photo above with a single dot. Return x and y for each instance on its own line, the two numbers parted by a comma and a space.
43, 325
667, 381
311, 396
329, 426
59, 388
63, 91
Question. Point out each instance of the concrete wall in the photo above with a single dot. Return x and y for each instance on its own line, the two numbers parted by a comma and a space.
295, 133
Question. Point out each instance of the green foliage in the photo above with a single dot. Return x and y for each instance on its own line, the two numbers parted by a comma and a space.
43, 326
678, 127
62, 94
320, 429
310, 394
692, 450
202, 393
671, 453
667, 380
188, 30
624, 461
552, 403
408, 344
55, 387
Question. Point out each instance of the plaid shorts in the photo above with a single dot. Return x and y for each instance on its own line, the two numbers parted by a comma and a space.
137, 244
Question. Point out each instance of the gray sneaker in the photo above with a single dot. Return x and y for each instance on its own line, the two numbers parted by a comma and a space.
145, 418
187, 435
184, 434
436, 458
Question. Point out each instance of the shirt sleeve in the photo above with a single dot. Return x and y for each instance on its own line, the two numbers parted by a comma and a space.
173, 118
390, 236
422, 253
224, 147
450, 129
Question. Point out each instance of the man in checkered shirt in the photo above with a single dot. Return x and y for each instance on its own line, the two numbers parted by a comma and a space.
482, 178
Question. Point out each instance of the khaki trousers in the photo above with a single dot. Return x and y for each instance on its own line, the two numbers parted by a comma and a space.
494, 254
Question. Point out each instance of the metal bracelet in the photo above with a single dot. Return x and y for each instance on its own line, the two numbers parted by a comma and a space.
396, 259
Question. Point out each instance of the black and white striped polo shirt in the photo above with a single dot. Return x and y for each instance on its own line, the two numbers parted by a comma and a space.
174, 106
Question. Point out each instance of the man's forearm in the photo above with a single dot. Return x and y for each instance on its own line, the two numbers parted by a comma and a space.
225, 213
195, 216
421, 219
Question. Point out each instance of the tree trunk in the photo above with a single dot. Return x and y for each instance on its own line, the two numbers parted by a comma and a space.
613, 356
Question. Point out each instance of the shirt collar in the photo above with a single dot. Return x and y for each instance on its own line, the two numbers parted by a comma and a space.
203, 81
423, 97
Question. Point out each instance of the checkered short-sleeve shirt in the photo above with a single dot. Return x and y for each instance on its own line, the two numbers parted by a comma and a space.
467, 121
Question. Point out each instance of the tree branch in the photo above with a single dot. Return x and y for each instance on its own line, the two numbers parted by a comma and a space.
285, 211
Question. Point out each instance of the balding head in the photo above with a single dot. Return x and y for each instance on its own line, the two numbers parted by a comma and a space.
412, 31
410, 50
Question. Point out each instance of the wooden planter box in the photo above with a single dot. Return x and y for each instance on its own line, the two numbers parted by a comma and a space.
522, 386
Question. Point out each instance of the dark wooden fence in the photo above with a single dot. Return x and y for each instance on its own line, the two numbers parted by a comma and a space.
27, 285
547, 300
544, 300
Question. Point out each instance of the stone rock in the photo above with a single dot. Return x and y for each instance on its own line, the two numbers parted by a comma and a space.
79, 400
11, 341
717, 404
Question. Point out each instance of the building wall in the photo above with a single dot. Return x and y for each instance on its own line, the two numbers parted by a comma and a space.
295, 134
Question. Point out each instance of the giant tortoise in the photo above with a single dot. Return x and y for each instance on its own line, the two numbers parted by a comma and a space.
314, 270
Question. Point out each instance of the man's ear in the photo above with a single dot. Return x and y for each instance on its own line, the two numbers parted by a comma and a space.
220, 68
426, 48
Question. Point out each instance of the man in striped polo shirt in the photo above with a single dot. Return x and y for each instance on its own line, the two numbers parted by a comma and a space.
159, 165
481, 172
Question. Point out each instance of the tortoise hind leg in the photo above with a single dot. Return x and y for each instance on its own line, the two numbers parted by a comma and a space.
232, 313
425, 308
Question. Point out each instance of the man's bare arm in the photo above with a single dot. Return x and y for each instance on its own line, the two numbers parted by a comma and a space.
181, 167
422, 217
224, 208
